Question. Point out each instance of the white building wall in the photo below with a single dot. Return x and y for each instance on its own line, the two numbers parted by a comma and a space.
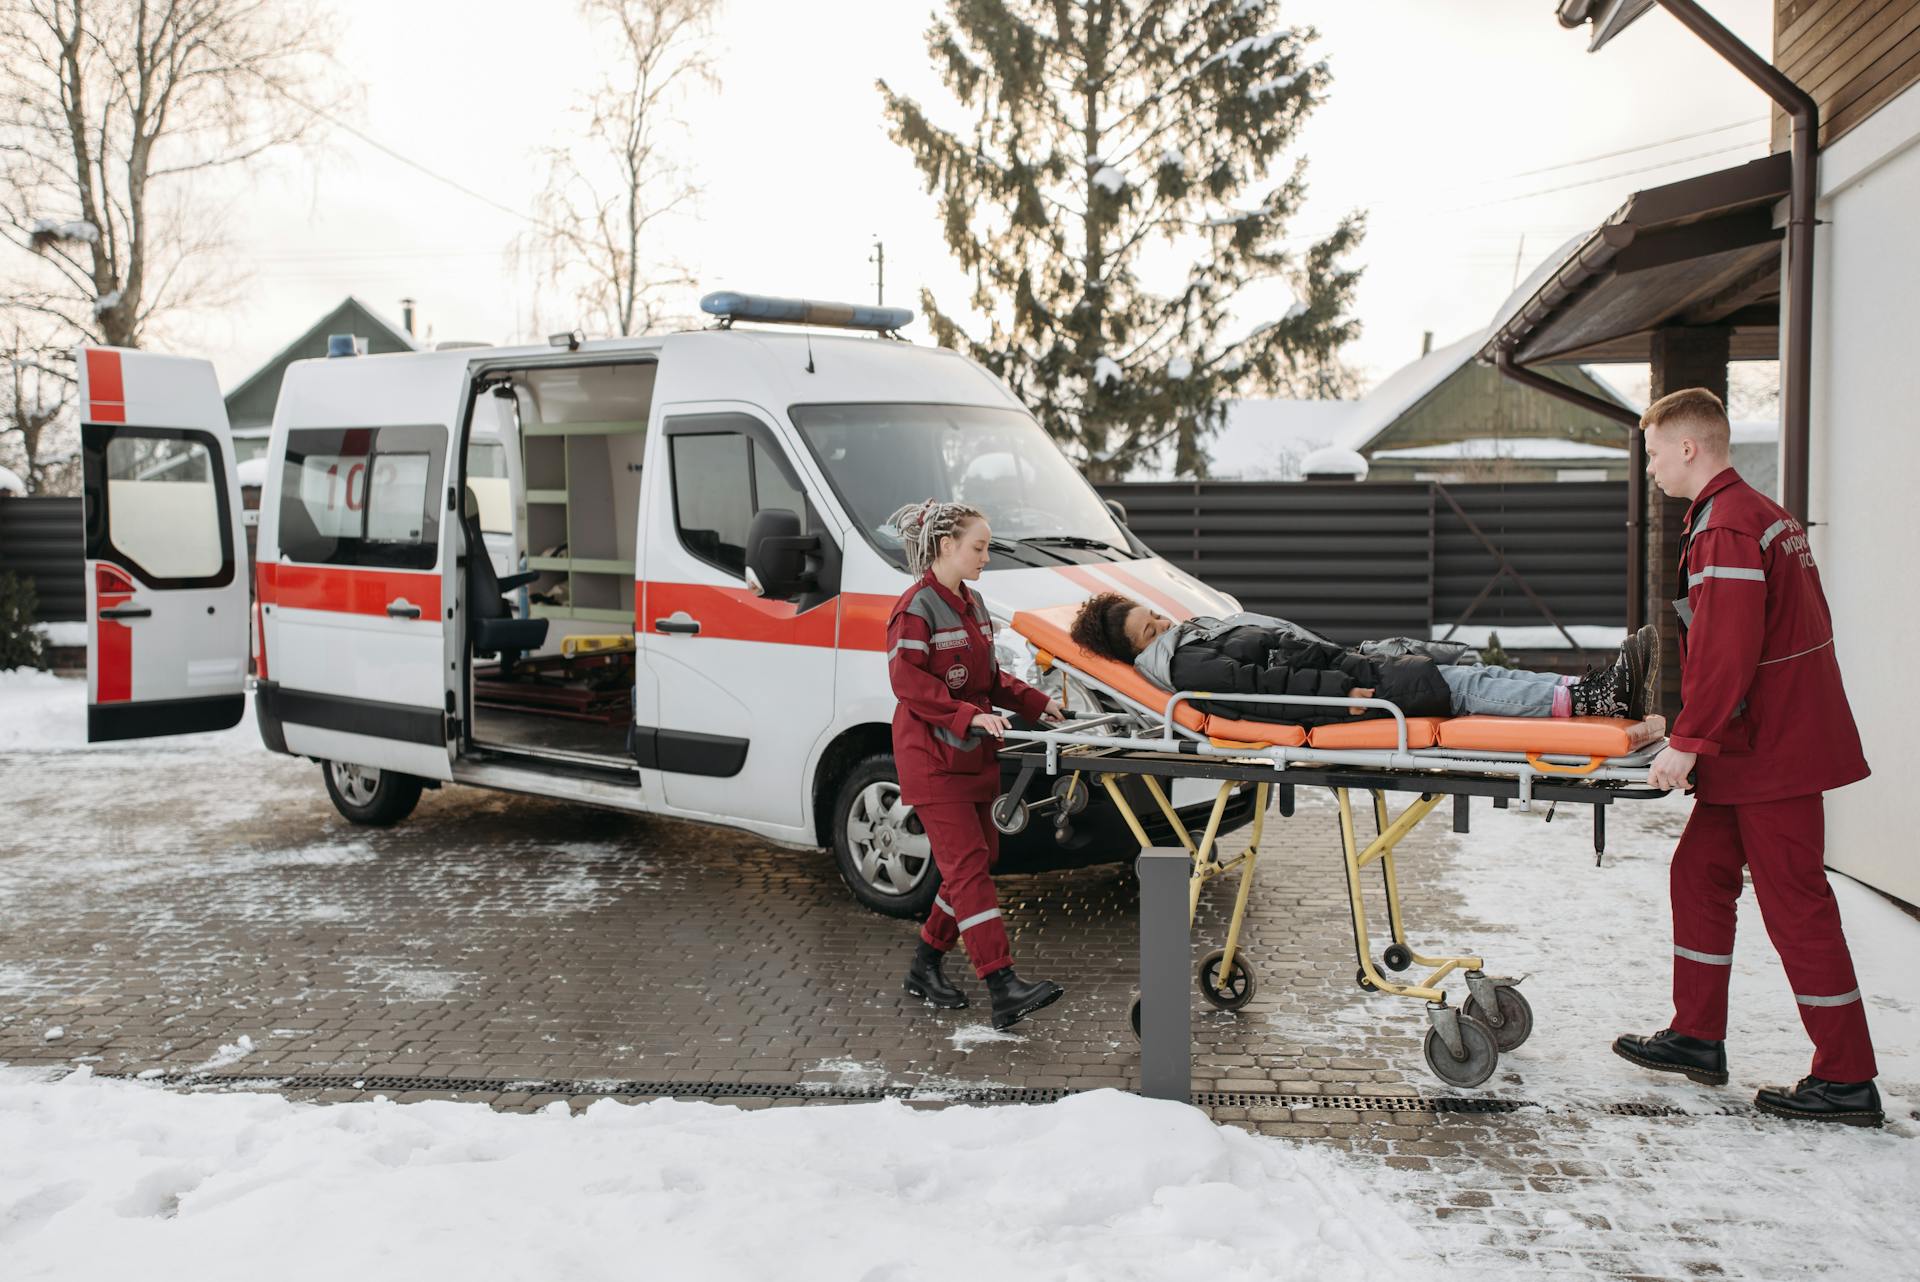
1864, 476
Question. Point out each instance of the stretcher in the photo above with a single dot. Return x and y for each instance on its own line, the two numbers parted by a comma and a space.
1128, 737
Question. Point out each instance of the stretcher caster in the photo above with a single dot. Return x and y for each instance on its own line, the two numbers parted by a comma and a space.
1072, 793
1397, 957
1460, 1049
1360, 978
1009, 815
1510, 1018
1230, 991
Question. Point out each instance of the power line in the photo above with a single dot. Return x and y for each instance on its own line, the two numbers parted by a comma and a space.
1604, 178
1628, 151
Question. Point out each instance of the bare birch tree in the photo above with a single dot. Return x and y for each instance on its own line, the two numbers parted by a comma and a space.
599, 217
109, 113
35, 393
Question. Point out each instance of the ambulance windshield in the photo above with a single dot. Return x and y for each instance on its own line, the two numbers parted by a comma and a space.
881, 457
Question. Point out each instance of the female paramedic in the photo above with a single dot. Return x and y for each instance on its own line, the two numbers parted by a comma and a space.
940, 660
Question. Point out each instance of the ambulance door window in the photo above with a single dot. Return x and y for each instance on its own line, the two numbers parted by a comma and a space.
164, 513
363, 496
725, 471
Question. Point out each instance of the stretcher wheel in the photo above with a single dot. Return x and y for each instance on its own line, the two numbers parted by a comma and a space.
1476, 1066
1360, 978
1229, 992
1133, 1017
1073, 793
1516, 1015
1397, 957
1014, 823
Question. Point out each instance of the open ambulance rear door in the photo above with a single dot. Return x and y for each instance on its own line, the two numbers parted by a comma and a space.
167, 595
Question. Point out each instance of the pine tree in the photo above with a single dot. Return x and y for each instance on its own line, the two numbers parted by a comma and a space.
1105, 130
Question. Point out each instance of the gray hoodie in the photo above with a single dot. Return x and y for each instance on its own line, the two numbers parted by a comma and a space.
1155, 663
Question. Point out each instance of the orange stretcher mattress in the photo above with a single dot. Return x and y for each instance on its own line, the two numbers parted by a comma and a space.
1571, 736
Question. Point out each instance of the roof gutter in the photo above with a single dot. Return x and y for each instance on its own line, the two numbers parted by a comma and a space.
1796, 385
1636, 467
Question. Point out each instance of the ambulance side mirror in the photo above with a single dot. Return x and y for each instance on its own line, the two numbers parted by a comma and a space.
778, 554
1118, 510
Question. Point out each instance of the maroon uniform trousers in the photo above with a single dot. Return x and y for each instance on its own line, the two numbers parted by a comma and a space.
966, 845
1766, 712
1782, 844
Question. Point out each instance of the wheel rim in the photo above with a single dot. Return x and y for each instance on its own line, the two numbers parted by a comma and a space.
890, 855
1475, 1067
1230, 991
1516, 1018
356, 783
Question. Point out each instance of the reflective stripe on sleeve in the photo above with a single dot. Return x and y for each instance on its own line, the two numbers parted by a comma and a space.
1842, 1000
943, 905
1726, 572
1710, 959
898, 646
978, 918
1773, 532
1814, 649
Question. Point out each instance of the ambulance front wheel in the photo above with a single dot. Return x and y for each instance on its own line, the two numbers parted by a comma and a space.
370, 795
879, 846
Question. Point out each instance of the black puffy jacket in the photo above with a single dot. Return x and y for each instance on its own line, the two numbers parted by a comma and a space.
1256, 660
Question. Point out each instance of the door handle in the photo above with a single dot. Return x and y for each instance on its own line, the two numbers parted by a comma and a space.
681, 627
126, 612
401, 610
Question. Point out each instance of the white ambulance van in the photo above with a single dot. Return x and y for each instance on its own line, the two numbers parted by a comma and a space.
707, 585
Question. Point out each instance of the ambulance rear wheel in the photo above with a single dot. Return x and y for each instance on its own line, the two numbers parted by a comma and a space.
370, 795
879, 845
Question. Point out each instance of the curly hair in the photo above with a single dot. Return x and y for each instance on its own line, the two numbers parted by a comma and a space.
921, 526
1101, 626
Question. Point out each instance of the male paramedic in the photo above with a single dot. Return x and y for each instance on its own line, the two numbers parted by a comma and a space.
1765, 729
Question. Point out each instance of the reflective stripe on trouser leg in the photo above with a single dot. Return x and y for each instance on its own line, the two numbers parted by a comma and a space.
965, 844
1785, 843
1705, 882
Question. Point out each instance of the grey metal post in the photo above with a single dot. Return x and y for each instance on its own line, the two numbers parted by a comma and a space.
1166, 958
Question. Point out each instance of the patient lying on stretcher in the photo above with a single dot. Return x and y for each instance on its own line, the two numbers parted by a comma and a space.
1259, 654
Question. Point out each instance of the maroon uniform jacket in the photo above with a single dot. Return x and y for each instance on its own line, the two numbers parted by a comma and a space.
1762, 702
940, 660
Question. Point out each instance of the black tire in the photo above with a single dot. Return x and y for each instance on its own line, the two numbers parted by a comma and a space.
894, 873
1228, 992
369, 795
1397, 957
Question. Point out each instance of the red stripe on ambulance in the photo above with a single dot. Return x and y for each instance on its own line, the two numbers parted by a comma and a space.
106, 393
113, 640
340, 591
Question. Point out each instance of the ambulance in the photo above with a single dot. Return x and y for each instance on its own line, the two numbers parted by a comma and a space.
699, 630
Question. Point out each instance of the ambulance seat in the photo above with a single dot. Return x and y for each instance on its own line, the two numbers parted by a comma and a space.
491, 625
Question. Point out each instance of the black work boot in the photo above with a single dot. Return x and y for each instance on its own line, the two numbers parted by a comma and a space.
1641, 651
926, 981
1817, 1100
1605, 692
1670, 1052
1014, 998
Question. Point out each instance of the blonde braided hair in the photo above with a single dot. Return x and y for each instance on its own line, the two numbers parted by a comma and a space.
921, 526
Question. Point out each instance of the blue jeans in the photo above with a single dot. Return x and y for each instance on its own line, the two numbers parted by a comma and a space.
1499, 692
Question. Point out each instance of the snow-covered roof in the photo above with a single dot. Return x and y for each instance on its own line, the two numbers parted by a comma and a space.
1334, 460
1259, 436
1405, 388
10, 483
1497, 447
1756, 431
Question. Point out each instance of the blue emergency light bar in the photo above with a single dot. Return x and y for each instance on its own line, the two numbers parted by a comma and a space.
731, 306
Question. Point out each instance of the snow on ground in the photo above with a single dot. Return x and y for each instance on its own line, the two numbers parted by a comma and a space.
123, 1179
40, 712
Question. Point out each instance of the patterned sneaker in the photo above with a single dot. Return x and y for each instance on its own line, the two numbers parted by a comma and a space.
1605, 692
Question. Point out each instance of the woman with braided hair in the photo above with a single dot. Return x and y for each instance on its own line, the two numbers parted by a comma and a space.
945, 742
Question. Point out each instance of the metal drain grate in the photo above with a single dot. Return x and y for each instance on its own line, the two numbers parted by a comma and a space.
388, 1084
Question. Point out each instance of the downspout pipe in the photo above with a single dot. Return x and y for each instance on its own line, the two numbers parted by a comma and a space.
1796, 375
1636, 470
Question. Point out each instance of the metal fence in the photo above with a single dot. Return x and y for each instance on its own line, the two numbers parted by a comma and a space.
41, 539
1359, 561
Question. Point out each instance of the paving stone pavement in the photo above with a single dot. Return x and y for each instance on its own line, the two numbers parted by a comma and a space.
207, 916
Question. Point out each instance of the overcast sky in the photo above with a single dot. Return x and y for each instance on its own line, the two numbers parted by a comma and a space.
1476, 133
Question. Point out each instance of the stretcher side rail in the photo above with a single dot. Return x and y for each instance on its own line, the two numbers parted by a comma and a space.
1311, 700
